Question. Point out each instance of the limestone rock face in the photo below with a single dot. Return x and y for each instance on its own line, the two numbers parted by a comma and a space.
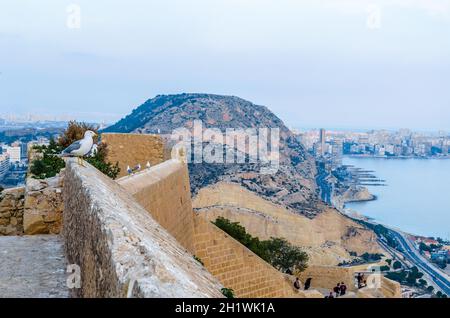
43, 206
11, 211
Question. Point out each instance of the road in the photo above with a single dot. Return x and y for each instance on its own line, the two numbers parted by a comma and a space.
413, 255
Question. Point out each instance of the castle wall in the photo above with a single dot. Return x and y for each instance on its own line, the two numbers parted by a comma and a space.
133, 149
238, 268
327, 277
121, 250
164, 191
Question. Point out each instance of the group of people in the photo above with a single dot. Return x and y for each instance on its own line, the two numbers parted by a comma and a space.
298, 286
339, 290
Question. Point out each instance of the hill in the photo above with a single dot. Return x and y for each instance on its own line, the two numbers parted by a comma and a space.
293, 185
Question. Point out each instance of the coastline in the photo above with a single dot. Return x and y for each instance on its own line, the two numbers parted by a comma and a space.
396, 157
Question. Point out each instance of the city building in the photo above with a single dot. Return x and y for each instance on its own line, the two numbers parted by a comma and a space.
13, 152
4, 165
322, 141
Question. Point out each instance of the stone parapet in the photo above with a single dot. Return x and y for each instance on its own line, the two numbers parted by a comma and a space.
121, 250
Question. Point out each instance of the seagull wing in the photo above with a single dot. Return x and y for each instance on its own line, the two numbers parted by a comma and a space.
75, 146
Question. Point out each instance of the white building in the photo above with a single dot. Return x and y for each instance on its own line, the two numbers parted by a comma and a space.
13, 152
4, 165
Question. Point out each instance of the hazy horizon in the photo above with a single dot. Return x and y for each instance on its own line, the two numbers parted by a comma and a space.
350, 64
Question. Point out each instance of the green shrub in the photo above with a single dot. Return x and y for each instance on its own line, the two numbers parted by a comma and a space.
198, 260
99, 162
277, 251
384, 268
50, 164
284, 256
369, 257
397, 265
227, 292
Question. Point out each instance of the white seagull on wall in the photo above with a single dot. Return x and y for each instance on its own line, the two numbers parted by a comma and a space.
80, 147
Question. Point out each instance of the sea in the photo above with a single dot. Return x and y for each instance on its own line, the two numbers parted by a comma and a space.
416, 198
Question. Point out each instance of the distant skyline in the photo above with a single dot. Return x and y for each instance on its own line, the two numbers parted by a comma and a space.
352, 64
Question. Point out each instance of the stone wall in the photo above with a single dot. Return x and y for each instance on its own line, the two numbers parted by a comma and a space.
11, 211
133, 149
326, 277
121, 250
327, 238
238, 268
164, 191
43, 206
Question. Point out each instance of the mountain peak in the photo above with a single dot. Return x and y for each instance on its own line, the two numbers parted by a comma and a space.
294, 181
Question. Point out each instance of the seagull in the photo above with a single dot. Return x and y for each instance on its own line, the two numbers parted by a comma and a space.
80, 147
137, 167
93, 151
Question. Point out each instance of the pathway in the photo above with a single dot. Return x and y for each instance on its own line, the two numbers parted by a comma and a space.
32, 266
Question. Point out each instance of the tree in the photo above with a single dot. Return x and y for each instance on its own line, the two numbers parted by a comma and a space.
283, 256
397, 265
227, 292
424, 247
430, 289
423, 282
389, 261
75, 131
277, 251
384, 268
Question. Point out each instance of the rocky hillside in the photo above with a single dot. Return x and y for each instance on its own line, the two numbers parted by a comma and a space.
293, 185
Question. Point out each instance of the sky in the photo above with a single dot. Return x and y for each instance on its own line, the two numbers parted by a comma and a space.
320, 63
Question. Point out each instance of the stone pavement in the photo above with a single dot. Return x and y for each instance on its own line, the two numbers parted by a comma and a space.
32, 266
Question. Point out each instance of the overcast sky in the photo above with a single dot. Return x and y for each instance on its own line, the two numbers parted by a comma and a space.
334, 64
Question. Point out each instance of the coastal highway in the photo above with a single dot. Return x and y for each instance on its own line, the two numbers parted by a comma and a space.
413, 255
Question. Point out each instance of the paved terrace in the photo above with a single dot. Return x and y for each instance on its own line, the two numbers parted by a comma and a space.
32, 266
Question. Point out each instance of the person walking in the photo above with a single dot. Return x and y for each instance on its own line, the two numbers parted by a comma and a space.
308, 283
337, 290
297, 284
359, 279
343, 289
